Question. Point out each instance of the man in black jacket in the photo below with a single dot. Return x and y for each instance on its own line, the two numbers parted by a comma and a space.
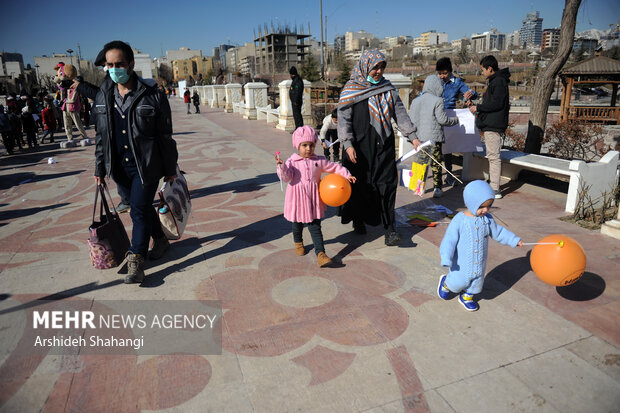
90, 91
492, 116
296, 94
134, 146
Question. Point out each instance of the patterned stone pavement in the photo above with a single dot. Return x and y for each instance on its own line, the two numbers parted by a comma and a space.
368, 335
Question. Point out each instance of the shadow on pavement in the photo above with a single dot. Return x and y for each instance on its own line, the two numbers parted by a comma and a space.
19, 213
353, 241
9, 181
587, 288
61, 295
256, 233
21, 158
501, 278
245, 185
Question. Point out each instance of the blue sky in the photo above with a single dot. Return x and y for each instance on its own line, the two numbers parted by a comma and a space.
38, 27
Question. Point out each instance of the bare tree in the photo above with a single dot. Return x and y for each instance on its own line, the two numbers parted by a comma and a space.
546, 79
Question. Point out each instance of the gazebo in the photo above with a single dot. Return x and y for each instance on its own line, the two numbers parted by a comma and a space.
318, 89
595, 71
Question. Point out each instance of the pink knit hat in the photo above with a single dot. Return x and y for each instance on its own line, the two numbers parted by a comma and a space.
304, 134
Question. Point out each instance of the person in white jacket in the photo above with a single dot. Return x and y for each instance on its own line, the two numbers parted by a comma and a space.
329, 135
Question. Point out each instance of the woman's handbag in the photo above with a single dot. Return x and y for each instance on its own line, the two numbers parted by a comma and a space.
108, 241
174, 206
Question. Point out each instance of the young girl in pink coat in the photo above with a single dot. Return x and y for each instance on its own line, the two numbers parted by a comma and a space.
302, 204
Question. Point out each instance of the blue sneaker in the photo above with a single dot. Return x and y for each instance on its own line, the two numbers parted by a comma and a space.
468, 302
442, 291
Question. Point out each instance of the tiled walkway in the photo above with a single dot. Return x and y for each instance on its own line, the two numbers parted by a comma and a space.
368, 334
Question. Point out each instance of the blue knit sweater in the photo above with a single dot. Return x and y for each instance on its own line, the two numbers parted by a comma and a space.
465, 245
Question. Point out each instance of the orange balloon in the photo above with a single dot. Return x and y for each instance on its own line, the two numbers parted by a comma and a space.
334, 190
560, 264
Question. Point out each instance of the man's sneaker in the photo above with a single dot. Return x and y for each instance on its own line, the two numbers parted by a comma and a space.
135, 267
392, 239
160, 246
442, 291
498, 194
122, 207
468, 302
437, 193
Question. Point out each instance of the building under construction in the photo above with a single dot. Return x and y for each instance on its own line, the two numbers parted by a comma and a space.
280, 48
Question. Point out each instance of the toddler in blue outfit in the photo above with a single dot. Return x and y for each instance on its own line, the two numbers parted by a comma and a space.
465, 245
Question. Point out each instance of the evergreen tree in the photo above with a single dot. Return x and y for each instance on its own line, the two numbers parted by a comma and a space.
310, 70
345, 71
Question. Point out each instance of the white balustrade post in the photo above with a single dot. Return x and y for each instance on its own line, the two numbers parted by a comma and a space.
286, 121
306, 106
255, 96
219, 96
233, 95
209, 99
403, 87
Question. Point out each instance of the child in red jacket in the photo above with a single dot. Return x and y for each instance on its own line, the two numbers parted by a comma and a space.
49, 122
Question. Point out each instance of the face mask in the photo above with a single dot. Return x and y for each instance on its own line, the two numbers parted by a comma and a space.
373, 81
118, 74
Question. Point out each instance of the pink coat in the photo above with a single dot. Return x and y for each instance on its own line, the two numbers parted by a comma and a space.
302, 202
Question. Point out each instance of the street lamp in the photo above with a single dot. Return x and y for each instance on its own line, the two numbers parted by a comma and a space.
70, 51
36, 68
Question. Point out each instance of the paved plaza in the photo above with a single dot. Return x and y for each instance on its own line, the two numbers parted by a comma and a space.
366, 335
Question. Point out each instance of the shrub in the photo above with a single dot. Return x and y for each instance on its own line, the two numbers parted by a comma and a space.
514, 140
576, 140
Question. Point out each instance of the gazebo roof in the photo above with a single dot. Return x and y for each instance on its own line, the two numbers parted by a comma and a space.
597, 65
320, 84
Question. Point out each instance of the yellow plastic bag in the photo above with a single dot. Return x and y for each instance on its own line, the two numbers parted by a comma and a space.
418, 178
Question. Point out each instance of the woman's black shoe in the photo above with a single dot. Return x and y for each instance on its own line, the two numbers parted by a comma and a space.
359, 227
392, 239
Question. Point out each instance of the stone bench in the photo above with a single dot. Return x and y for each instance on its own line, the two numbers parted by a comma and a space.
237, 107
262, 113
599, 176
273, 116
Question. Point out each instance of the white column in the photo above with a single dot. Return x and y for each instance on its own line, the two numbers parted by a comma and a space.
255, 95
209, 97
233, 95
287, 122
403, 87
306, 106
219, 94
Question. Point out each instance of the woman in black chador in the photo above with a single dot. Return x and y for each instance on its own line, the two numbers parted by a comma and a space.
367, 104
